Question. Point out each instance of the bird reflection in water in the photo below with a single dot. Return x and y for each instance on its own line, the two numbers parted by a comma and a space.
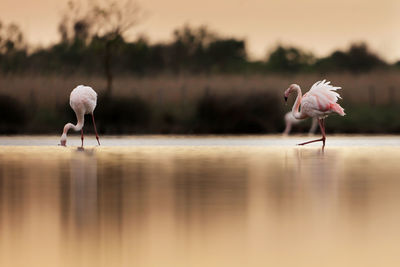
83, 170
80, 206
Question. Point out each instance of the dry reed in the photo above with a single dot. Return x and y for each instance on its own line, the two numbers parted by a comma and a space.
50, 90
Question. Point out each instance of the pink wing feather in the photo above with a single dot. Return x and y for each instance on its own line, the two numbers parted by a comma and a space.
324, 96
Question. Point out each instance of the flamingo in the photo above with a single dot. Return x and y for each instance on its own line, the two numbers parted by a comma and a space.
83, 101
316, 103
291, 120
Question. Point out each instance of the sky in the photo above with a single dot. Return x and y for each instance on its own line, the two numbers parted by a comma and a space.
317, 26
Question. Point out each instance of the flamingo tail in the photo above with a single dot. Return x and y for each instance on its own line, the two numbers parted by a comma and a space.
335, 107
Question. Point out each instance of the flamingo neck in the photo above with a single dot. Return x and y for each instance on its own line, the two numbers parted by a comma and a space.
77, 127
296, 105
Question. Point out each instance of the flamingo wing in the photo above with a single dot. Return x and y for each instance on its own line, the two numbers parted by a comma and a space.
322, 99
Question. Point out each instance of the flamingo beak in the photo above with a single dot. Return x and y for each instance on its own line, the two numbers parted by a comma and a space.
285, 97
63, 143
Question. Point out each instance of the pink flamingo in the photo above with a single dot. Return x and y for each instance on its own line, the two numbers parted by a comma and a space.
291, 120
316, 103
83, 101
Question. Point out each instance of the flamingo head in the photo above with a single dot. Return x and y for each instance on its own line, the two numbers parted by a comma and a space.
63, 141
292, 88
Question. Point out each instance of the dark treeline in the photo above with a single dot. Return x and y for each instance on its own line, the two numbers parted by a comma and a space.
191, 50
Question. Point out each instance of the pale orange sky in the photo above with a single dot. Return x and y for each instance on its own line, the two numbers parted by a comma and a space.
315, 25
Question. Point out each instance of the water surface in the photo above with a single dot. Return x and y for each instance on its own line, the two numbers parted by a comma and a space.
178, 201
211, 140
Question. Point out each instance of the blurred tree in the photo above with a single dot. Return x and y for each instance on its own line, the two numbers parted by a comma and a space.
111, 20
227, 55
136, 56
76, 24
103, 24
201, 50
11, 38
158, 60
335, 62
99, 27
187, 50
289, 59
358, 58
12, 47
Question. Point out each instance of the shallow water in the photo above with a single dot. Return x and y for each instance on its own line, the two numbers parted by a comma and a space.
187, 201
211, 140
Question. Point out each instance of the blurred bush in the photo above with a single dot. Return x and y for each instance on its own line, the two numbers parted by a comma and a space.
366, 119
44, 120
254, 113
13, 115
118, 115
244, 113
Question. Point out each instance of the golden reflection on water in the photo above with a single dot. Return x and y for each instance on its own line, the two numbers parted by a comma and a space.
199, 206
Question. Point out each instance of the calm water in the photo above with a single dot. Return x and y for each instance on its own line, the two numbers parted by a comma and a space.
165, 201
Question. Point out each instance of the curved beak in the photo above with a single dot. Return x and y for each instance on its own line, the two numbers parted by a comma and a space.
63, 143
285, 97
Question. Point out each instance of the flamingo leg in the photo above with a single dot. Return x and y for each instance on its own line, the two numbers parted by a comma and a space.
287, 129
313, 127
82, 137
323, 132
95, 130
321, 123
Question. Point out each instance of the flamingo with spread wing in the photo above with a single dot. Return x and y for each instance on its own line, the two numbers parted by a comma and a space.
318, 103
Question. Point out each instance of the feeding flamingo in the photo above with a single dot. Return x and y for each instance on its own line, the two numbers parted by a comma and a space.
83, 101
291, 120
316, 103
